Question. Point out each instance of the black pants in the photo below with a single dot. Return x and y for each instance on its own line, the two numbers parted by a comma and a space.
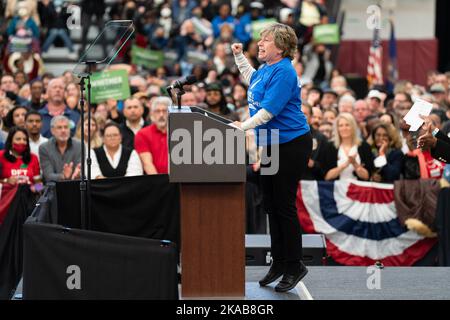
279, 197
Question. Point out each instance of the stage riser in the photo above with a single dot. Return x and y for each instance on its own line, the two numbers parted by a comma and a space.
257, 250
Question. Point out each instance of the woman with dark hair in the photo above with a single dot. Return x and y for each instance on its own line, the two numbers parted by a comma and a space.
386, 148
16, 117
17, 164
217, 103
113, 159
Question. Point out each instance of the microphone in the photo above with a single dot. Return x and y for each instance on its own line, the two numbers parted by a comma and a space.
184, 81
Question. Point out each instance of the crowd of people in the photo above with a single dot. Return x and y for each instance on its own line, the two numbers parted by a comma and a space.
353, 137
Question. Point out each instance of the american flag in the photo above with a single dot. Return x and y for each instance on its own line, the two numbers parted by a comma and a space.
374, 68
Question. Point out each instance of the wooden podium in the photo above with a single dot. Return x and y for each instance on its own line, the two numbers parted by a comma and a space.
205, 157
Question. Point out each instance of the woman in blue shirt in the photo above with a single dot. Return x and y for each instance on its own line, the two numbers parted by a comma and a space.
282, 130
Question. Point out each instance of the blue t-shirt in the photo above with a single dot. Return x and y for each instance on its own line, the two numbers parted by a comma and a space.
276, 88
73, 116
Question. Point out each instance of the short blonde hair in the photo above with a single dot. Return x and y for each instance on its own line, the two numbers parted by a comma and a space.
284, 37
356, 140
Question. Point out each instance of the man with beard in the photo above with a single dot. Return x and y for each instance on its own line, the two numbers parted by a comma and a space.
60, 156
316, 118
133, 111
151, 142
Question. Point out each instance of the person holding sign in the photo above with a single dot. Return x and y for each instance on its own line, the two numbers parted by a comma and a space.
274, 105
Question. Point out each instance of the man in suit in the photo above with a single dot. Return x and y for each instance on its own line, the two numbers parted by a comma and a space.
435, 140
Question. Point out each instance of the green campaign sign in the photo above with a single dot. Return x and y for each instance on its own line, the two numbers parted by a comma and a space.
147, 58
326, 34
109, 84
259, 25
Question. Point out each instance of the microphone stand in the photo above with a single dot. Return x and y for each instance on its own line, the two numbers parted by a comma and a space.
123, 30
179, 93
85, 184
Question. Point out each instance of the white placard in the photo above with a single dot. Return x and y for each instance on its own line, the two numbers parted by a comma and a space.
420, 107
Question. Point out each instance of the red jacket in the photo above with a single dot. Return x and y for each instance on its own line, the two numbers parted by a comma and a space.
19, 168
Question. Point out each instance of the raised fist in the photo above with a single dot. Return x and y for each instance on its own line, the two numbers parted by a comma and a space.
236, 48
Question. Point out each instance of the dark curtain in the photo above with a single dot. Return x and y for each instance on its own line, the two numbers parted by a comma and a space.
62, 263
11, 241
143, 206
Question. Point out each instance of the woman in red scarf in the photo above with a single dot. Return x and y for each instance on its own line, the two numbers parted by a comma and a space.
17, 164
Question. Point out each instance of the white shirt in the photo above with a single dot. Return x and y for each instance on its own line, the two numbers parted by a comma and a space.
34, 146
405, 148
134, 167
347, 173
